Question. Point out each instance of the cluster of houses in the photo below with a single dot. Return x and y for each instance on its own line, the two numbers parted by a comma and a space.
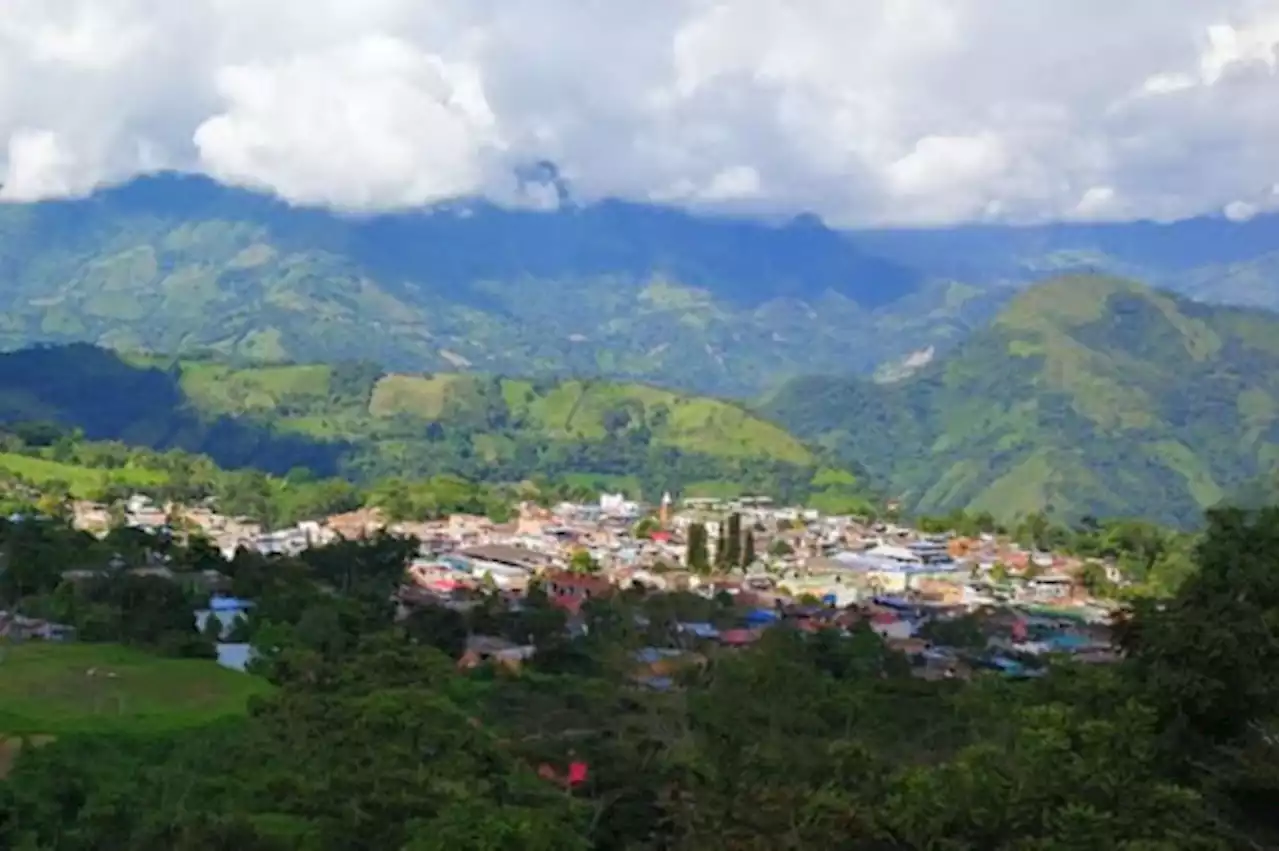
815, 572
808, 569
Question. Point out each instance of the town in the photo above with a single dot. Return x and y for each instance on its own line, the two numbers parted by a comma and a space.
770, 565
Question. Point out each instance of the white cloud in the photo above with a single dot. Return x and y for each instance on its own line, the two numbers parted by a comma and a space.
38, 166
1238, 211
376, 122
883, 111
1095, 203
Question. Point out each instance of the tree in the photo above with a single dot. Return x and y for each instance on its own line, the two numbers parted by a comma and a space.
696, 548
1093, 576
733, 541
582, 562
394, 498
1209, 655
645, 527
212, 628
748, 549
438, 627
964, 632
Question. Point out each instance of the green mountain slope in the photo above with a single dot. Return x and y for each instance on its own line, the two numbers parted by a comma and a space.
1086, 395
623, 291
355, 420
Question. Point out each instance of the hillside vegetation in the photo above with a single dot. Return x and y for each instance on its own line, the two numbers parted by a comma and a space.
620, 291
629, 292
1086, 396
355, 420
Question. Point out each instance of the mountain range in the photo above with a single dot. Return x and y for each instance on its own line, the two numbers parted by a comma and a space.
927, 365
630, 292
1087, 395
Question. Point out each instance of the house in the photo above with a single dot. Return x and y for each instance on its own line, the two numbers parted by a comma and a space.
890, 626
285, 542
1049, 587
533, 521
617, 505
502, 555
739, 637
570, 590
698, 629
508, 568
468, 525
356, 524
90, 516
490, 649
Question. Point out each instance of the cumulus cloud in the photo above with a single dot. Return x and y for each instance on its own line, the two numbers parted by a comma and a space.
874, 112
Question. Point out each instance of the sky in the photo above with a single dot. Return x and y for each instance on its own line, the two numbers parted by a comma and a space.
866, 113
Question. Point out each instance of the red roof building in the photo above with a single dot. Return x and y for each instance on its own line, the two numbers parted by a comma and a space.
570, 590
738, 637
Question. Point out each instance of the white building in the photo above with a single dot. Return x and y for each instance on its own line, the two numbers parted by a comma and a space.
617, 505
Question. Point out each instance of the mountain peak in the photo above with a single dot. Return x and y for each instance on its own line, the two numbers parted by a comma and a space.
1068, 301
1089, 395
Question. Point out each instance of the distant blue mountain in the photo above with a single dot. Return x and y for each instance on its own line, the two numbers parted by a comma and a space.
1205, 257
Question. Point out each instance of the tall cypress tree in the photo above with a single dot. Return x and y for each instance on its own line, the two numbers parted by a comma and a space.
748, 548
733, 541
722, 546
696, 548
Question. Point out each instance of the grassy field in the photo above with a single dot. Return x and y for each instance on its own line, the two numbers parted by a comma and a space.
225, 389
577, 410
47, 689
82, 481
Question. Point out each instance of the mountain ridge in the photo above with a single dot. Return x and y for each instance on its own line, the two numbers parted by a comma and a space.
616, 290
1086, 395
172, 264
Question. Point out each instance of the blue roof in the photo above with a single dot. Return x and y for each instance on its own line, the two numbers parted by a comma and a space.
649, 655
1067, 641
234, 656
223, 604
761, 616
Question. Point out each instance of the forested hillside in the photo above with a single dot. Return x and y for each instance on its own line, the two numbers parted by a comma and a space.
173, 264
357, 421
1086, 396
622, 291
